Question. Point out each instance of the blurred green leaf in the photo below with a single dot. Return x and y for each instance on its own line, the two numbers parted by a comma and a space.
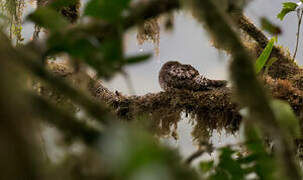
112, 49
206, 166
107, 10
230, 165
220, 175
105, 57
48, 18
261, 61
264, 165
137, 59
286, 117
287, 7
270, 27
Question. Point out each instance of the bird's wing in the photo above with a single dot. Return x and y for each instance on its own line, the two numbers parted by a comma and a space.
183, 72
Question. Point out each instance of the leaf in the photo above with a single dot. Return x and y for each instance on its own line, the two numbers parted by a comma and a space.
48, 18
229, 164
206, 166
270, 27
287, 7
264, 165
286, 117
269, 63
261, 61
109, 10
137, 59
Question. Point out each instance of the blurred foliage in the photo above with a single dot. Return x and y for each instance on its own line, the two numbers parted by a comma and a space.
240, 163
110, 11
110, 149
271, 28
105, 54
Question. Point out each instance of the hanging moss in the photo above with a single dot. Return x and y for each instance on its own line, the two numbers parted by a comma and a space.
72, 12
149, 31
13, 10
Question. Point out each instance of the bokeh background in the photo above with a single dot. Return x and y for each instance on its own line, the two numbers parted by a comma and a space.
189, 43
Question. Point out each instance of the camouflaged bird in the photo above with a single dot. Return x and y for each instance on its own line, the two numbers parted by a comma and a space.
174, 75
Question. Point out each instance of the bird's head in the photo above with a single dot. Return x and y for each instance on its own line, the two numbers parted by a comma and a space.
170, 64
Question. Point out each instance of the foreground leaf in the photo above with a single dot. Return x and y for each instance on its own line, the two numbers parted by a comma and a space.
109, 10
48, 18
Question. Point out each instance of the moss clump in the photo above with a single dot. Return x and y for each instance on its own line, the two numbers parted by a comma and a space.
72, 12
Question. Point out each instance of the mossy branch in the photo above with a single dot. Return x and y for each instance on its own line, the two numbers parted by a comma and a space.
249, 91
285, 67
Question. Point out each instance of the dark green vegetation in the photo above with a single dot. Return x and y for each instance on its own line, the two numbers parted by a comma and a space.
117, 135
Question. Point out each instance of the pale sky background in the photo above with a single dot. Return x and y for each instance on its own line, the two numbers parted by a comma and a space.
188, 43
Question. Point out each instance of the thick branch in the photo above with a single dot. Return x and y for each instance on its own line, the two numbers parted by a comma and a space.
248, 90
285, 67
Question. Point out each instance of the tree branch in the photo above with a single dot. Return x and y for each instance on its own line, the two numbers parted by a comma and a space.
248, 90
285, 67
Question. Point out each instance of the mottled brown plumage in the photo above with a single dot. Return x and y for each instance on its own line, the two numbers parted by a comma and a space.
174, 75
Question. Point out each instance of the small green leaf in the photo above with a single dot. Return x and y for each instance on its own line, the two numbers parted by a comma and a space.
48, 18
261, 61
137, 59
109, 10
206, 166
287, 7
269, 63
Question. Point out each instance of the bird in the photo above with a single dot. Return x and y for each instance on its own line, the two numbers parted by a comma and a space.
174, 75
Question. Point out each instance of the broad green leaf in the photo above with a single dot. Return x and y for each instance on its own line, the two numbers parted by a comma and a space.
137, 59
48, 18
206, 166
287, 7
286, 117
109, 10
261, 61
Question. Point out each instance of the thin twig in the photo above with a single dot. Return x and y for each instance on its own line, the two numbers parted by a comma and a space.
36, 32
194, 156
298, 32
204, 147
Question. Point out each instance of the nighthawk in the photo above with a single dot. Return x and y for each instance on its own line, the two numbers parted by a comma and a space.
174, 75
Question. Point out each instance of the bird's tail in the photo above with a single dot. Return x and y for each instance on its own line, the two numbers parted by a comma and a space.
205, 83
217, 83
